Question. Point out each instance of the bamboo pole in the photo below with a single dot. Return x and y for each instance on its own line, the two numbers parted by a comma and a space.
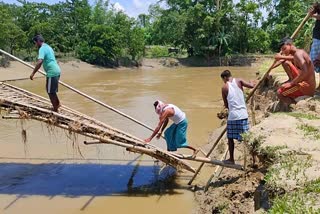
216, 174
81, 93
208, 160
19, 79
208, 154
293, 36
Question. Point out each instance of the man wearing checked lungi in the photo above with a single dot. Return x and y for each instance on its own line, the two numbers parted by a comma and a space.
176, 134
315, 47
233, 97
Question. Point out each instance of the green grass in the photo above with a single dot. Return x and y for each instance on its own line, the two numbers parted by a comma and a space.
301, 201
299, 115
296, 202
310, 131
313, 186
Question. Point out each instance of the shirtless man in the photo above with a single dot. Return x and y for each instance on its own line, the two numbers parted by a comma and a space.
300, 70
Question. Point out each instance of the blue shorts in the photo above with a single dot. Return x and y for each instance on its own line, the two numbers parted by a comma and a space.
52, 85
237, 127
176, 136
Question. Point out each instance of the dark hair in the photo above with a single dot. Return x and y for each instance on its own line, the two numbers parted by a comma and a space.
226, 74
316, 7
285, 41
38, 38
155, 104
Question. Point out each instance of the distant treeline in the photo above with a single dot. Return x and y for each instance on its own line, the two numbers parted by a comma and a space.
101, 34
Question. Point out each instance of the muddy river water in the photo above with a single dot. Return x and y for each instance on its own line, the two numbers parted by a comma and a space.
48, 175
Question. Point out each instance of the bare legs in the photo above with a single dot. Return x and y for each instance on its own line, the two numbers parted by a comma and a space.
231, 151
287, 69
286, 100
55, 101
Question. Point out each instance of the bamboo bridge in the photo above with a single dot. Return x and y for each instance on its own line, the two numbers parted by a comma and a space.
22, 104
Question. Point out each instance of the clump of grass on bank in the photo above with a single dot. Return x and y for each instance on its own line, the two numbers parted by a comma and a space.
302, 201
296, 202
288, 173
267, 155
299, 115
310, 131
289, 188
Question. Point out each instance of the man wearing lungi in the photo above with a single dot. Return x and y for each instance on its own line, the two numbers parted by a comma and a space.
233, 97
315, 47
300, 70
176, 134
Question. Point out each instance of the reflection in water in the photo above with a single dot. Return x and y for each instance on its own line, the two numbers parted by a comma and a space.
50, 174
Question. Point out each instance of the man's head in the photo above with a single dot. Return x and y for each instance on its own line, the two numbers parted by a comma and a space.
286, 46
316, 7
158, 106
225, 75
38, 40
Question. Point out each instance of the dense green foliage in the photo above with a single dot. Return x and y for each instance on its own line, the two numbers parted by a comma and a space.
100, 34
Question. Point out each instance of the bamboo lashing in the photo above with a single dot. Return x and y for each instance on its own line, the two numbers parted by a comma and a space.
293, 36
80, 93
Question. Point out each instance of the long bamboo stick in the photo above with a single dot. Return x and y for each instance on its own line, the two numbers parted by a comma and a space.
215, 174
209, 160
81, 93
293, 36
208, 154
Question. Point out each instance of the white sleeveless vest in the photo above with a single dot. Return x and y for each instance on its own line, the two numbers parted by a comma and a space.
178, 116
236, 103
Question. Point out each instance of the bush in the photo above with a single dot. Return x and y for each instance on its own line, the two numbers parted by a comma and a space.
157, 51
4, 62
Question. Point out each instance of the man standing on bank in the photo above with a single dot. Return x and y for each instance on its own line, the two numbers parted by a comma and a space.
47, 59
233, 97
315, 47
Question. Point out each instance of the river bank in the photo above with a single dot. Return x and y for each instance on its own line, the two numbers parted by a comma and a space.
286, 175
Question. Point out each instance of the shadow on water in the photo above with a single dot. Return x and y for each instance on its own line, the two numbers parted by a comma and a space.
86, 179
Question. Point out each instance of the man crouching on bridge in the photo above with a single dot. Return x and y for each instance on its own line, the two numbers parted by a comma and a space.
51, 67
176, 134
300, 70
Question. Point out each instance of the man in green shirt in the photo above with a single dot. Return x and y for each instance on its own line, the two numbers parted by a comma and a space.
47, 59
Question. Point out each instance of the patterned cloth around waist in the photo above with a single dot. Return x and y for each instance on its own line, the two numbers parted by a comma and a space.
314, 52
237, 127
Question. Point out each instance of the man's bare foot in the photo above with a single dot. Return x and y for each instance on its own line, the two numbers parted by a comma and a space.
229, 161
56, 109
